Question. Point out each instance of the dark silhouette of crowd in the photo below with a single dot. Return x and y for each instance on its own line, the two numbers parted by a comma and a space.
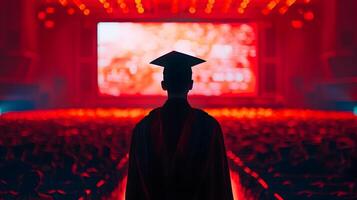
60, 159
298, 158
81, 159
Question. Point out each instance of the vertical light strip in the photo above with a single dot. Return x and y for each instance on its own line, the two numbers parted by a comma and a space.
139, 6
209, 6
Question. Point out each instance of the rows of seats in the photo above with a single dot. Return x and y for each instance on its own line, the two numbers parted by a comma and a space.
299, 158
61, 159
77, 158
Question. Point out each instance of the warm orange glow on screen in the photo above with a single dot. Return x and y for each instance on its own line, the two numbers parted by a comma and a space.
125, 50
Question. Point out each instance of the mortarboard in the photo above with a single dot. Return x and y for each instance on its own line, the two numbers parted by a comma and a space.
174, 59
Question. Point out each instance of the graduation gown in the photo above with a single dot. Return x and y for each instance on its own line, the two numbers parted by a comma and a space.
178, 152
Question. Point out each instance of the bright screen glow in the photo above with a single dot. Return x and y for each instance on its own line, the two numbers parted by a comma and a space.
126, 49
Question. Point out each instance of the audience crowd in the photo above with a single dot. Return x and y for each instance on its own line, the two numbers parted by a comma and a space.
59, 159
73, 158
310, 158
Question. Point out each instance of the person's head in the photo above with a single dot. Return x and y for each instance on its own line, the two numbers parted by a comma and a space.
177, 72
177, 80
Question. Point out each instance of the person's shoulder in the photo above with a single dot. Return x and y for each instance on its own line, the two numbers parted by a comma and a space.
147, 119
207, 118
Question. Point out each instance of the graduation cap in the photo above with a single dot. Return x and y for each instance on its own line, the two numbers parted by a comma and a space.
177, 69
177, 59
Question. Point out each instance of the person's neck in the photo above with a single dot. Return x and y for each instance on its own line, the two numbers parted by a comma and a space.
177, 96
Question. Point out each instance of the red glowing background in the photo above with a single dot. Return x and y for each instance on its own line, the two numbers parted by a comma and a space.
125, 50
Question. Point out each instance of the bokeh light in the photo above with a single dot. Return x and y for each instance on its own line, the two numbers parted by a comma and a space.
49, 24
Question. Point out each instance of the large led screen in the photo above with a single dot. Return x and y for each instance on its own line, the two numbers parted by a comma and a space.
126, 49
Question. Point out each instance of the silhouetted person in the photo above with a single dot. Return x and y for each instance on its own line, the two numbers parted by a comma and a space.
178, 152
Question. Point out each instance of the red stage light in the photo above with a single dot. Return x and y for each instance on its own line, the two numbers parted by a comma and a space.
86, 11
122, 5
82, 6
244, 4
283, 10
41, 15
141, 10
208, 10
192, 10
309, 15
297, 24
63, 2
271, 5
139, 7
49, 24
70, 11
290, 2
209, 6
50, 10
